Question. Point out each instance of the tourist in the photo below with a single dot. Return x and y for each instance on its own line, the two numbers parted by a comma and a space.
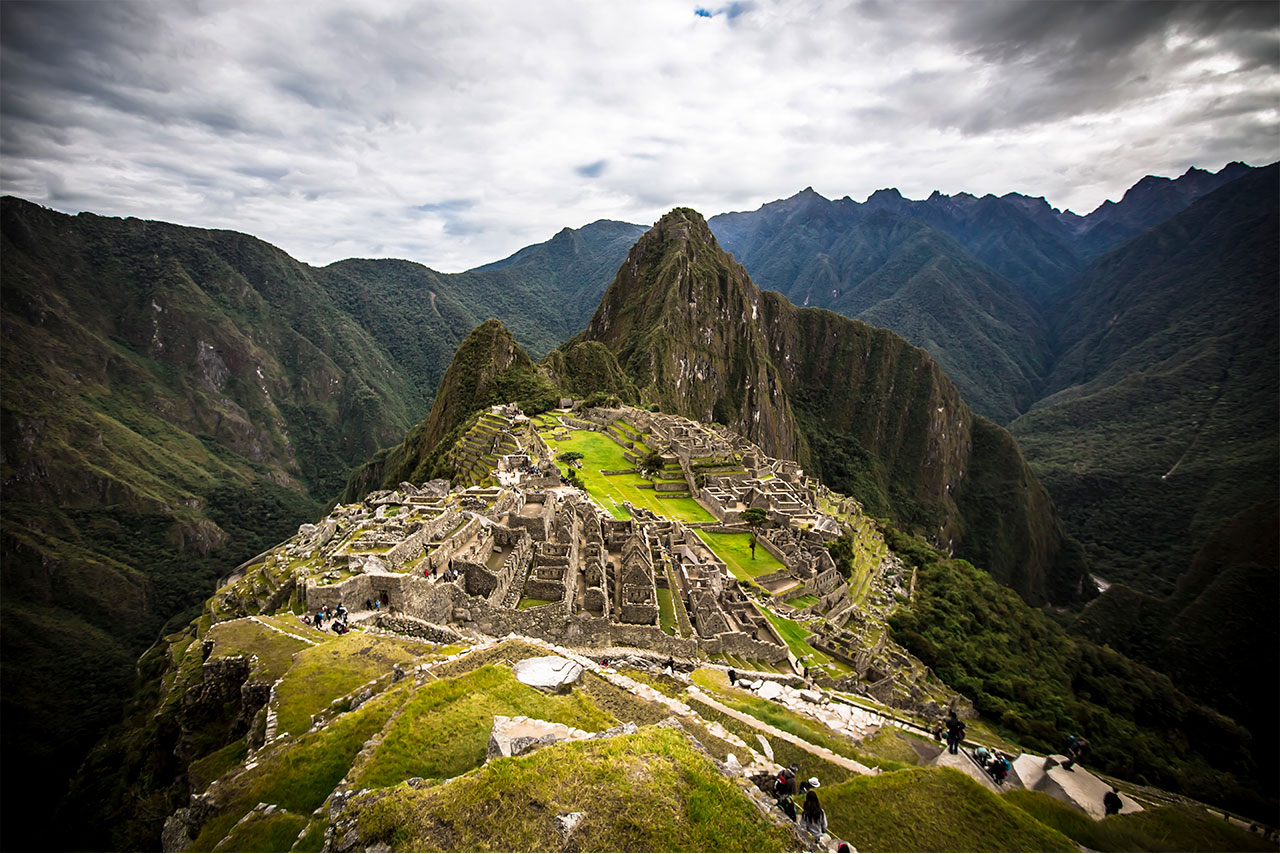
983, 756
787, 806
1076, 748
671, 666
733, 677
843, 848
810, 784
785, 785
813, 819
1111, 801
955, 733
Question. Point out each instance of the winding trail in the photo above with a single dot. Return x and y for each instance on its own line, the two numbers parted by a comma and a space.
774, 732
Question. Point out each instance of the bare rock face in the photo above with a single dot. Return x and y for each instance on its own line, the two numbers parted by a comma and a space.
437, 488
548, 673
519, 735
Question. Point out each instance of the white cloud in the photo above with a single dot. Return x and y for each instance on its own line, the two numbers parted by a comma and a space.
455, 133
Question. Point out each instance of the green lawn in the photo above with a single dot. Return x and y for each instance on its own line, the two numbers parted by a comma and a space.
803, 601
444, 730
249, 637
650, 791
794, 634
735, 551
931, 809
666, 611
1155, 829
527, 602
599, 452
332, 669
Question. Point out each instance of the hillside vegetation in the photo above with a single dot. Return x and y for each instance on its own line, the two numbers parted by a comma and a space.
1040, 683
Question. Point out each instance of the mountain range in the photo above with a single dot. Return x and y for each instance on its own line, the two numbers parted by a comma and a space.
175, 399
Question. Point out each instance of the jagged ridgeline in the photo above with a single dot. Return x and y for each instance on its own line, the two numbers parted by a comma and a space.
684, 328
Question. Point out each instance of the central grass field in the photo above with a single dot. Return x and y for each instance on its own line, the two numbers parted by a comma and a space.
794, 634
735, 551
601, 453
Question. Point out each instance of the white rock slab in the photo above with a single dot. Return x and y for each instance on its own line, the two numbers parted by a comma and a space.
548, 673
770, 690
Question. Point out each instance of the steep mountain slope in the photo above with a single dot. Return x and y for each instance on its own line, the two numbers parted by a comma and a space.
902, 274
173, 401
870, 414
489, 368
571, 270
1160, 421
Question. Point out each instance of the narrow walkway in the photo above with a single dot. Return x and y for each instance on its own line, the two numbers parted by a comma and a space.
774, 732
283, 632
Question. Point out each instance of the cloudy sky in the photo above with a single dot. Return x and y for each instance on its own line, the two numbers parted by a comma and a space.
455, 133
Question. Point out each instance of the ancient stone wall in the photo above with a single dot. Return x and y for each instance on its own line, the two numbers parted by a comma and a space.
745, 646
413, 627
514, 568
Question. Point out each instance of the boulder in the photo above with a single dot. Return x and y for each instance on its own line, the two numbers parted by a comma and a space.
548, 673
519, 735
437, 488
770, 690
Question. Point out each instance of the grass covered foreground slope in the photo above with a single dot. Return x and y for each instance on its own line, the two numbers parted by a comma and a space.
400, 758
871, 415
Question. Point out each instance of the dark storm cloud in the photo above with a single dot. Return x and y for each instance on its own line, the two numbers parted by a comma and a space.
1049, 60
1072, 34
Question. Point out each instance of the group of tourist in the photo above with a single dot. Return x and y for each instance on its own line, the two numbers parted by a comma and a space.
336, 617
811, 817
993, 762
449, 574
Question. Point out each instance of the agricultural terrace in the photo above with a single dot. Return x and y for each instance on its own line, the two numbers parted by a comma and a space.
601, 453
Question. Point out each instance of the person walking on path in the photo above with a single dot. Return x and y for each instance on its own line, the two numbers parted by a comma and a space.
733, 677
1111, 801
813, 819
1076, 748
955, 733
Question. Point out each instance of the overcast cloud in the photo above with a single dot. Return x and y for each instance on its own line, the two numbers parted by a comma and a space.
456, 133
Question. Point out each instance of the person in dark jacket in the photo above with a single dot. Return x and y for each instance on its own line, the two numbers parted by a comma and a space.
1076, 748
785, 785
1111, 801
955, 733
733, 677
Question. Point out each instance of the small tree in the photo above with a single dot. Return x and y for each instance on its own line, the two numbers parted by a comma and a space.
569, 457
754, 517
652, 463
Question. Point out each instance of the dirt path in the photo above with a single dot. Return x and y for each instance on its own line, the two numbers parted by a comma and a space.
774, 732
